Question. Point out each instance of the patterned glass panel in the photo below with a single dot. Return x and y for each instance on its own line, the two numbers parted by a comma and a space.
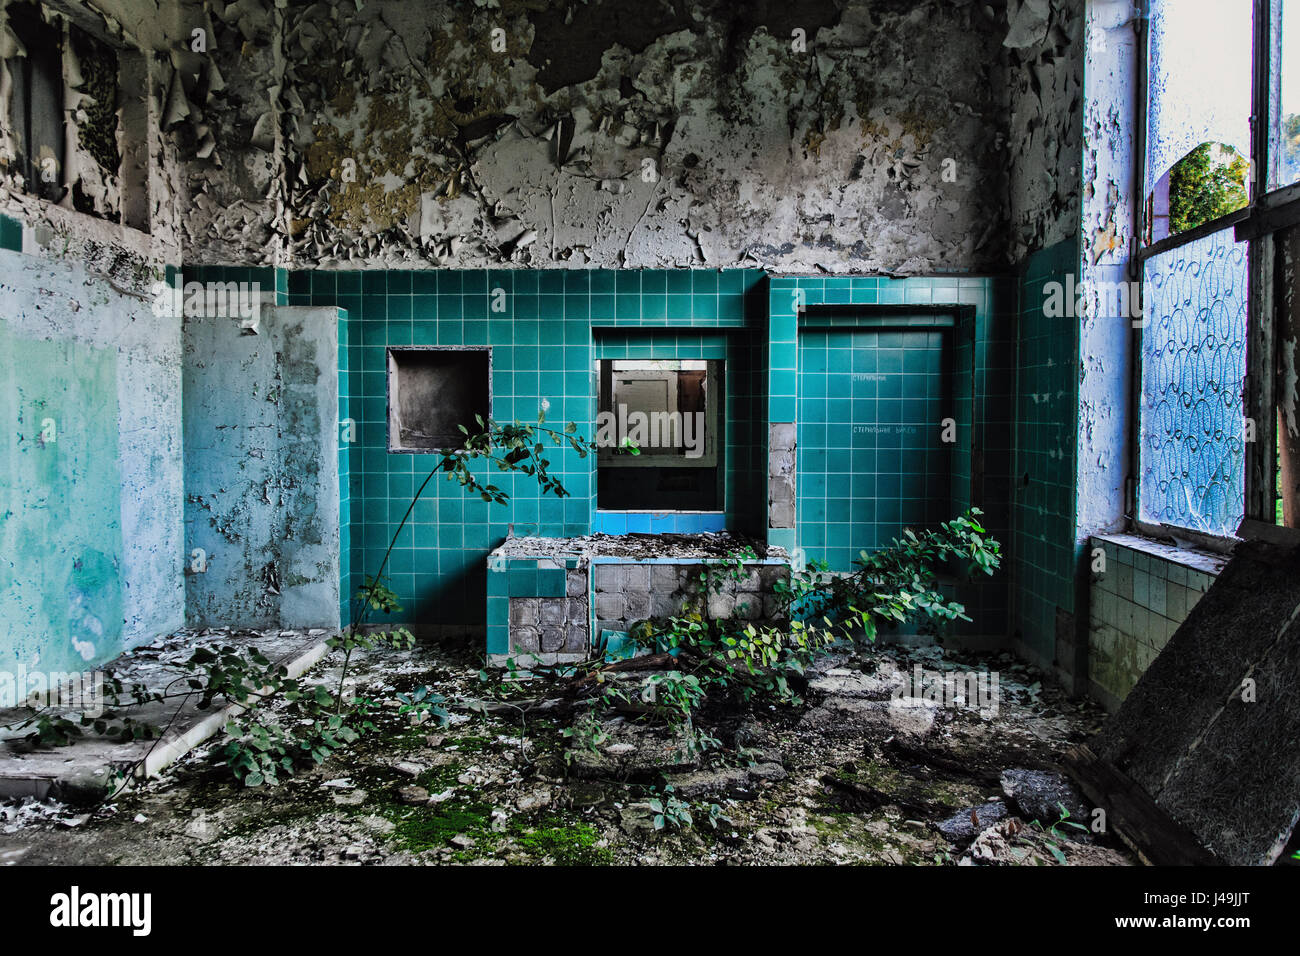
1193, 366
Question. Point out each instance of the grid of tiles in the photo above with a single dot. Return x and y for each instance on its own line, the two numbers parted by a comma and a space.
539, 326
982, 395
347, 435
871, 459
1136, 606
1044, 549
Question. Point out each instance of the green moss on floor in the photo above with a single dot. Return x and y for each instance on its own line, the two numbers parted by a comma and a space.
547, 837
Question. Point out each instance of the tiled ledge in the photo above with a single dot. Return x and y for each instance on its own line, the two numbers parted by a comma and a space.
1205, 562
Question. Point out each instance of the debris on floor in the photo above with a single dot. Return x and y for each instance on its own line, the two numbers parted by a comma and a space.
1200, 763
861, 773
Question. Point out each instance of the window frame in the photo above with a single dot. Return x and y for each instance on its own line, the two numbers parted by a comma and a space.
715, 441
1268, 211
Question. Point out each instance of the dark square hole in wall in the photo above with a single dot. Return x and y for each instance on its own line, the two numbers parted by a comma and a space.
433, 391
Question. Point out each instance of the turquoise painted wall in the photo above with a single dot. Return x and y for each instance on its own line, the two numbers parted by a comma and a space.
60, 530
90, 475
1043, 547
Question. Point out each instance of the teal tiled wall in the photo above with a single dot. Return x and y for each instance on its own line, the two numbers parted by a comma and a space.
871, 460
550, 328
1044, 546
543, 336
982, 375
347, 431
11, 234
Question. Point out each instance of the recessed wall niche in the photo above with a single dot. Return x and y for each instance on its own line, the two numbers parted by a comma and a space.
432, 391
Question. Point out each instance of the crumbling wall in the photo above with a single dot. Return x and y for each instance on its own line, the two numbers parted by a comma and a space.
625, 594
261, 469
117, 187
864, 136
1044, 44
1111, 198
90, 473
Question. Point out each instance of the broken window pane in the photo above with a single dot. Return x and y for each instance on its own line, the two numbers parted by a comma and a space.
1284, 143
1193, 365
1198, 112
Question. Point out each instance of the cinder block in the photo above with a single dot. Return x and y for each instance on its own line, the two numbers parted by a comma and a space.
749, 607
576, 584
721, 605
524, 640
554, 611
607, 577
665, 604
610, 605
781, 435
637, 605
576, 612
523, 611
689, 577
553, 638
663, 577
577, 640
780, 514
636, 577
750, 580
771, 607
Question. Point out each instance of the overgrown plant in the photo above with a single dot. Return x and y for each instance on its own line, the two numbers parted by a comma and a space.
310, 722
313, 722
734, 659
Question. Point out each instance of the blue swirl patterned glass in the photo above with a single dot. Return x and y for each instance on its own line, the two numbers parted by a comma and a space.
1193, 367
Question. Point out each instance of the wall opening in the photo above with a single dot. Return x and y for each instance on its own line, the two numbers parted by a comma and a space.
434, 391
36, 102
670, 409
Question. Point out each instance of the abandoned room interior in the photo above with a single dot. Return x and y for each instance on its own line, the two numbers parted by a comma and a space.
623, 432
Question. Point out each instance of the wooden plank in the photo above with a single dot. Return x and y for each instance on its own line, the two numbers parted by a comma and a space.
1134, 815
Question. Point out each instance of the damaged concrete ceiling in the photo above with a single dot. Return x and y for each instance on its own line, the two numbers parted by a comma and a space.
816, 136
865, 136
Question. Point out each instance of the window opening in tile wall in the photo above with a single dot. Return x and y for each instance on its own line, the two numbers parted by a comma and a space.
433, 391
36, 102
672, 410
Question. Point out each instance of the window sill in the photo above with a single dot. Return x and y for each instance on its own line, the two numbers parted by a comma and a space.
1207, 562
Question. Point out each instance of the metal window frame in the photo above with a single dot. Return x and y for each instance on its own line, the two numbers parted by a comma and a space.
1269, 210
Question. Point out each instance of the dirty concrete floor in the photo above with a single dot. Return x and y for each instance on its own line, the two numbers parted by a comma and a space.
847, 778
